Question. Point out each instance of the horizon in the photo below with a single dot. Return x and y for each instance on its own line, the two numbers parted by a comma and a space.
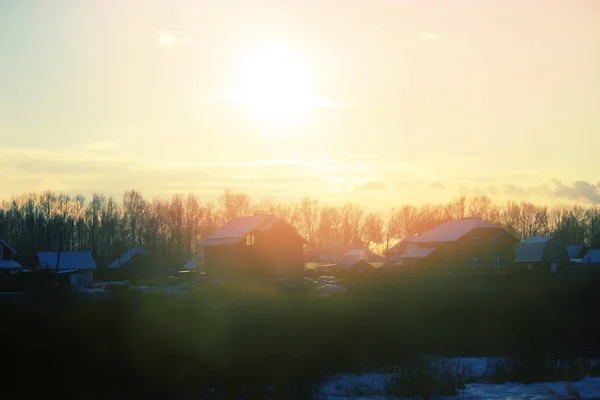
410, 103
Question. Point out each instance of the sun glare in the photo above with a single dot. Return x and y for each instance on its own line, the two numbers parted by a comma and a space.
275, 84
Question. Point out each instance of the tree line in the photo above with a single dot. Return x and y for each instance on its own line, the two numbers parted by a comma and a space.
170, 228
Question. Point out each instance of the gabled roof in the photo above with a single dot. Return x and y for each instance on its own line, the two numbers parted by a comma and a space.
76, 260
4, 244
451, 231
575, 250
537, 239
193, 262
532, 249
9, 264
238, 228
127, 256
592, 257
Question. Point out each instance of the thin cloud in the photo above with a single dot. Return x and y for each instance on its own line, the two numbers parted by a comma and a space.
371, 185
101, 146
171, 39
428, 37
437, 185
578, 191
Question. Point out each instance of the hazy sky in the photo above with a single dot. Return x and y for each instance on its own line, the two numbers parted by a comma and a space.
415, 100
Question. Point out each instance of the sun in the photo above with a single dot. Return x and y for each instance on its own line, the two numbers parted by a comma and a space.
275, 84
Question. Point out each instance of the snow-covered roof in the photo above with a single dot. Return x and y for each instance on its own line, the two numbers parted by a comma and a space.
416, 252
68, 260
193, 262
592, 257
127, 256
537, 239
355, 252
4, 244
574, 250
451, 231
238, 228
9, 264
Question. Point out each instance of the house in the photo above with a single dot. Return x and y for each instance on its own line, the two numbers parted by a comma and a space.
542, 254
462, 244
255, 246
196, 262
7, 259
79, 266
414, 257
576, 251
591, 258
362, 267
355, 255
133, 264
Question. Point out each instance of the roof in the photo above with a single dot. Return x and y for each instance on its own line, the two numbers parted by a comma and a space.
592, 257
416, 252
574, 250
10, 264
3, 243
451, 231
355, 252
127, 256
193, 261
537, 239
77, 260
532, 249
238, 228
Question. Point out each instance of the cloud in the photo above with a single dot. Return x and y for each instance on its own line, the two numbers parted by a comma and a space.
437, 185
171, 39
578, 191
428, 37
371, 185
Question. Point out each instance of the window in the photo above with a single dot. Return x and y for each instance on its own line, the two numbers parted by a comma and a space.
496, 262
475, 240
249, 240
495, 240
474, 262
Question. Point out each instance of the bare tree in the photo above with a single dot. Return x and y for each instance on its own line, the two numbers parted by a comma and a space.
234, 204
372, 230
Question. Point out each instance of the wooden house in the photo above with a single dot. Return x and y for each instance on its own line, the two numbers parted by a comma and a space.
255, 246
463, 244
79, 266
7, 259
542, 254
131, 265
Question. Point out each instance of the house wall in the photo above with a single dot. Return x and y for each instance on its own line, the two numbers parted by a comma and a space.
276, 252
459, 255
556, 251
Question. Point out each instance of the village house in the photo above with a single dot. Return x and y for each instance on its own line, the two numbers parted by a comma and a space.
131, 265
7, 259
255, 246
355, 255
462, 244
79, 266
542, 254
592, 257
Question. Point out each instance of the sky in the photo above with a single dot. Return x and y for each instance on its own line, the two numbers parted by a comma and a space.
379, 102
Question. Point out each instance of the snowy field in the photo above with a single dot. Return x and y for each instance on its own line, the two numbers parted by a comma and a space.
371, 386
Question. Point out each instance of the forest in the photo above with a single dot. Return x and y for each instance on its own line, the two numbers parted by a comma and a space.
169, 228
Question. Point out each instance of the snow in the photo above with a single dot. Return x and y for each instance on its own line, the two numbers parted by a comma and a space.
453, 230
371, 386
416, 252
537, 239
